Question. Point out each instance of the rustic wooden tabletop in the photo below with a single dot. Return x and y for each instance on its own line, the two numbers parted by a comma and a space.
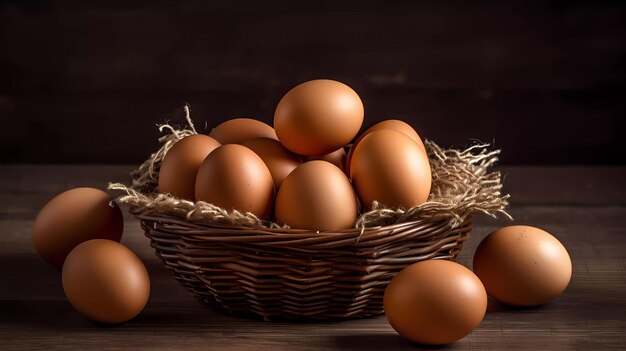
583, 207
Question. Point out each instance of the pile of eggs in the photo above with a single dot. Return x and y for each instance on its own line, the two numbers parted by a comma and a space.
439, 301
78, 232
299, 174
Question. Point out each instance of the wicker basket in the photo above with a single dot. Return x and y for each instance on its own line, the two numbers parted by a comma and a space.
297, 273
275, 272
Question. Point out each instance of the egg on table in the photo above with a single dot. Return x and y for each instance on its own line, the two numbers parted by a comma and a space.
105, 281
435, 302
72, 217
522, 265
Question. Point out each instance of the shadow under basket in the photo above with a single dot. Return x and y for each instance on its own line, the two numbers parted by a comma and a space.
297, 274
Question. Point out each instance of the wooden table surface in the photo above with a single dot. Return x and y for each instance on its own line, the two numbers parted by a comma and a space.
584, 207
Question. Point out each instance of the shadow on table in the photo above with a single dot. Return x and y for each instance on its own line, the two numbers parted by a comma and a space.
390, 341
61, 314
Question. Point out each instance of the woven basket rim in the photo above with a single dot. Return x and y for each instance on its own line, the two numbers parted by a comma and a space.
302, 239
190, 225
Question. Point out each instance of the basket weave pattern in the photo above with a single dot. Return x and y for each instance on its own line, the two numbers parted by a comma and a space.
295, 273
242, 264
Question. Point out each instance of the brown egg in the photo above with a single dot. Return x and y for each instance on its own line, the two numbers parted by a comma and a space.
318, 117
277, 158
435, 302
523, 266
238, 130
179, 168
105, 281
392, 124
338, 158
389, 167
73, 217
318, 196
235, 178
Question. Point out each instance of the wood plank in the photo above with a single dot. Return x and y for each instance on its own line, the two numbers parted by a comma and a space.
34, 314
189, 326
572, 185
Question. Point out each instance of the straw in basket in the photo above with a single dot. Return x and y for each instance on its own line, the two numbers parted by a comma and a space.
241, 264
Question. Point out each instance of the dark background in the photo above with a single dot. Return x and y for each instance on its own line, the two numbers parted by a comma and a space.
86, 82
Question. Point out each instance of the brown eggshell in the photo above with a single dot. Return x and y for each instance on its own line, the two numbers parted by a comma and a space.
318, 117
179, 168
399, 126
73, 217
393, 124
523, 266
435, 302
389, 167
317, 196
276, 157
238, 130
235, 178
338, 158
105, 281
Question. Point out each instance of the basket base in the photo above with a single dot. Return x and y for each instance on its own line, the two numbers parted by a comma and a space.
281, 316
